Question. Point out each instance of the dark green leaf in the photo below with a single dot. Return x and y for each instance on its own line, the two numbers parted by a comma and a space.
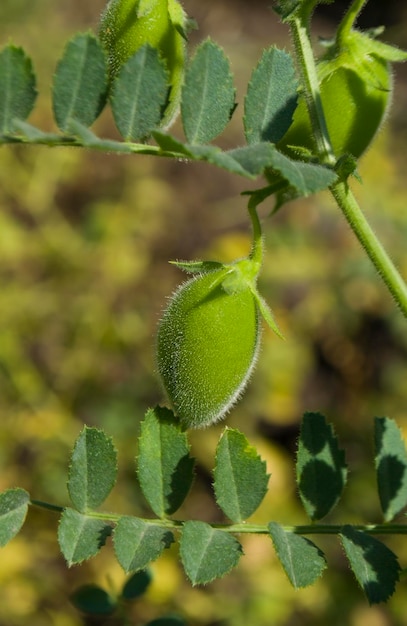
208, 94
165, 468
375, 566
81, 537
93, 600
207, 553
13, 510
137, 542
271, 97
240, 476
139, 94
93, 469
17, 87
302, 560
321, 468
391, 467
136, 585
80, 82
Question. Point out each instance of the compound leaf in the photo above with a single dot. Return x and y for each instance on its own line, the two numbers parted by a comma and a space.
207, 553
165, 468
80, 82
321, 469
93, 469
374, 565
271, 97
302, 560
208, 94
81, 537
17, 87
240, 476
137, 542
139, 94
391, 467
13, 510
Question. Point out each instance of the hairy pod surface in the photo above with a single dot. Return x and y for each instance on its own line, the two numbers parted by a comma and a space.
356, 90
127, 25
207, 344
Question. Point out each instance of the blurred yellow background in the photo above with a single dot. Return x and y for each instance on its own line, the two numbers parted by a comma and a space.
85, 240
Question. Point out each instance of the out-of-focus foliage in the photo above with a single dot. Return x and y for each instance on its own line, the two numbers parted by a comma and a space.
85, 241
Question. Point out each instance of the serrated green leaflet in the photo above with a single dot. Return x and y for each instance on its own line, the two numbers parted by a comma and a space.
81, 537
374, 565
165, 468
137, 542
80, 82
321, 469
208, 94
240, 476
93, 469
305, 178
139, 94
93, 600
271, 97
13, 510
17, 87
391, 467
302, 560
207, 553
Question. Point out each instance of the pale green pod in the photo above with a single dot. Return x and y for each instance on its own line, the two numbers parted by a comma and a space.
207, 344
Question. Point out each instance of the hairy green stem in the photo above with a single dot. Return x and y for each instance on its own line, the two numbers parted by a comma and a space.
257, 251
374, 249
245, 528
299, 27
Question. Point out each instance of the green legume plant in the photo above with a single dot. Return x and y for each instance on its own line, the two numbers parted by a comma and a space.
306, 124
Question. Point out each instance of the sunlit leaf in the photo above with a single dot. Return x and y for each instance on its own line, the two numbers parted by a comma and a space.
391, 467
81, 537
271, 97
93, 469
13, 510
208, 94
165, 468
137, 542
139, 94
240, 476
17, 87
207, 553
80, 82
302, 560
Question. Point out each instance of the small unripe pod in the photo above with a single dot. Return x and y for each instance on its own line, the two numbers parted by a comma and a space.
356, 84
127, 25
207, 345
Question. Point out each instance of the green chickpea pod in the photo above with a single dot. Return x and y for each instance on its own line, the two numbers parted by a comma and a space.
127, 25
356, 85
209, 336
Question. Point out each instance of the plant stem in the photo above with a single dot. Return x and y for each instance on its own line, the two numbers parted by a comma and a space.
244, 528
372, 246
299, 27
46, 505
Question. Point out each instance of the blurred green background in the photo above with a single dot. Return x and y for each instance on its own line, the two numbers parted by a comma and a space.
85, 240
